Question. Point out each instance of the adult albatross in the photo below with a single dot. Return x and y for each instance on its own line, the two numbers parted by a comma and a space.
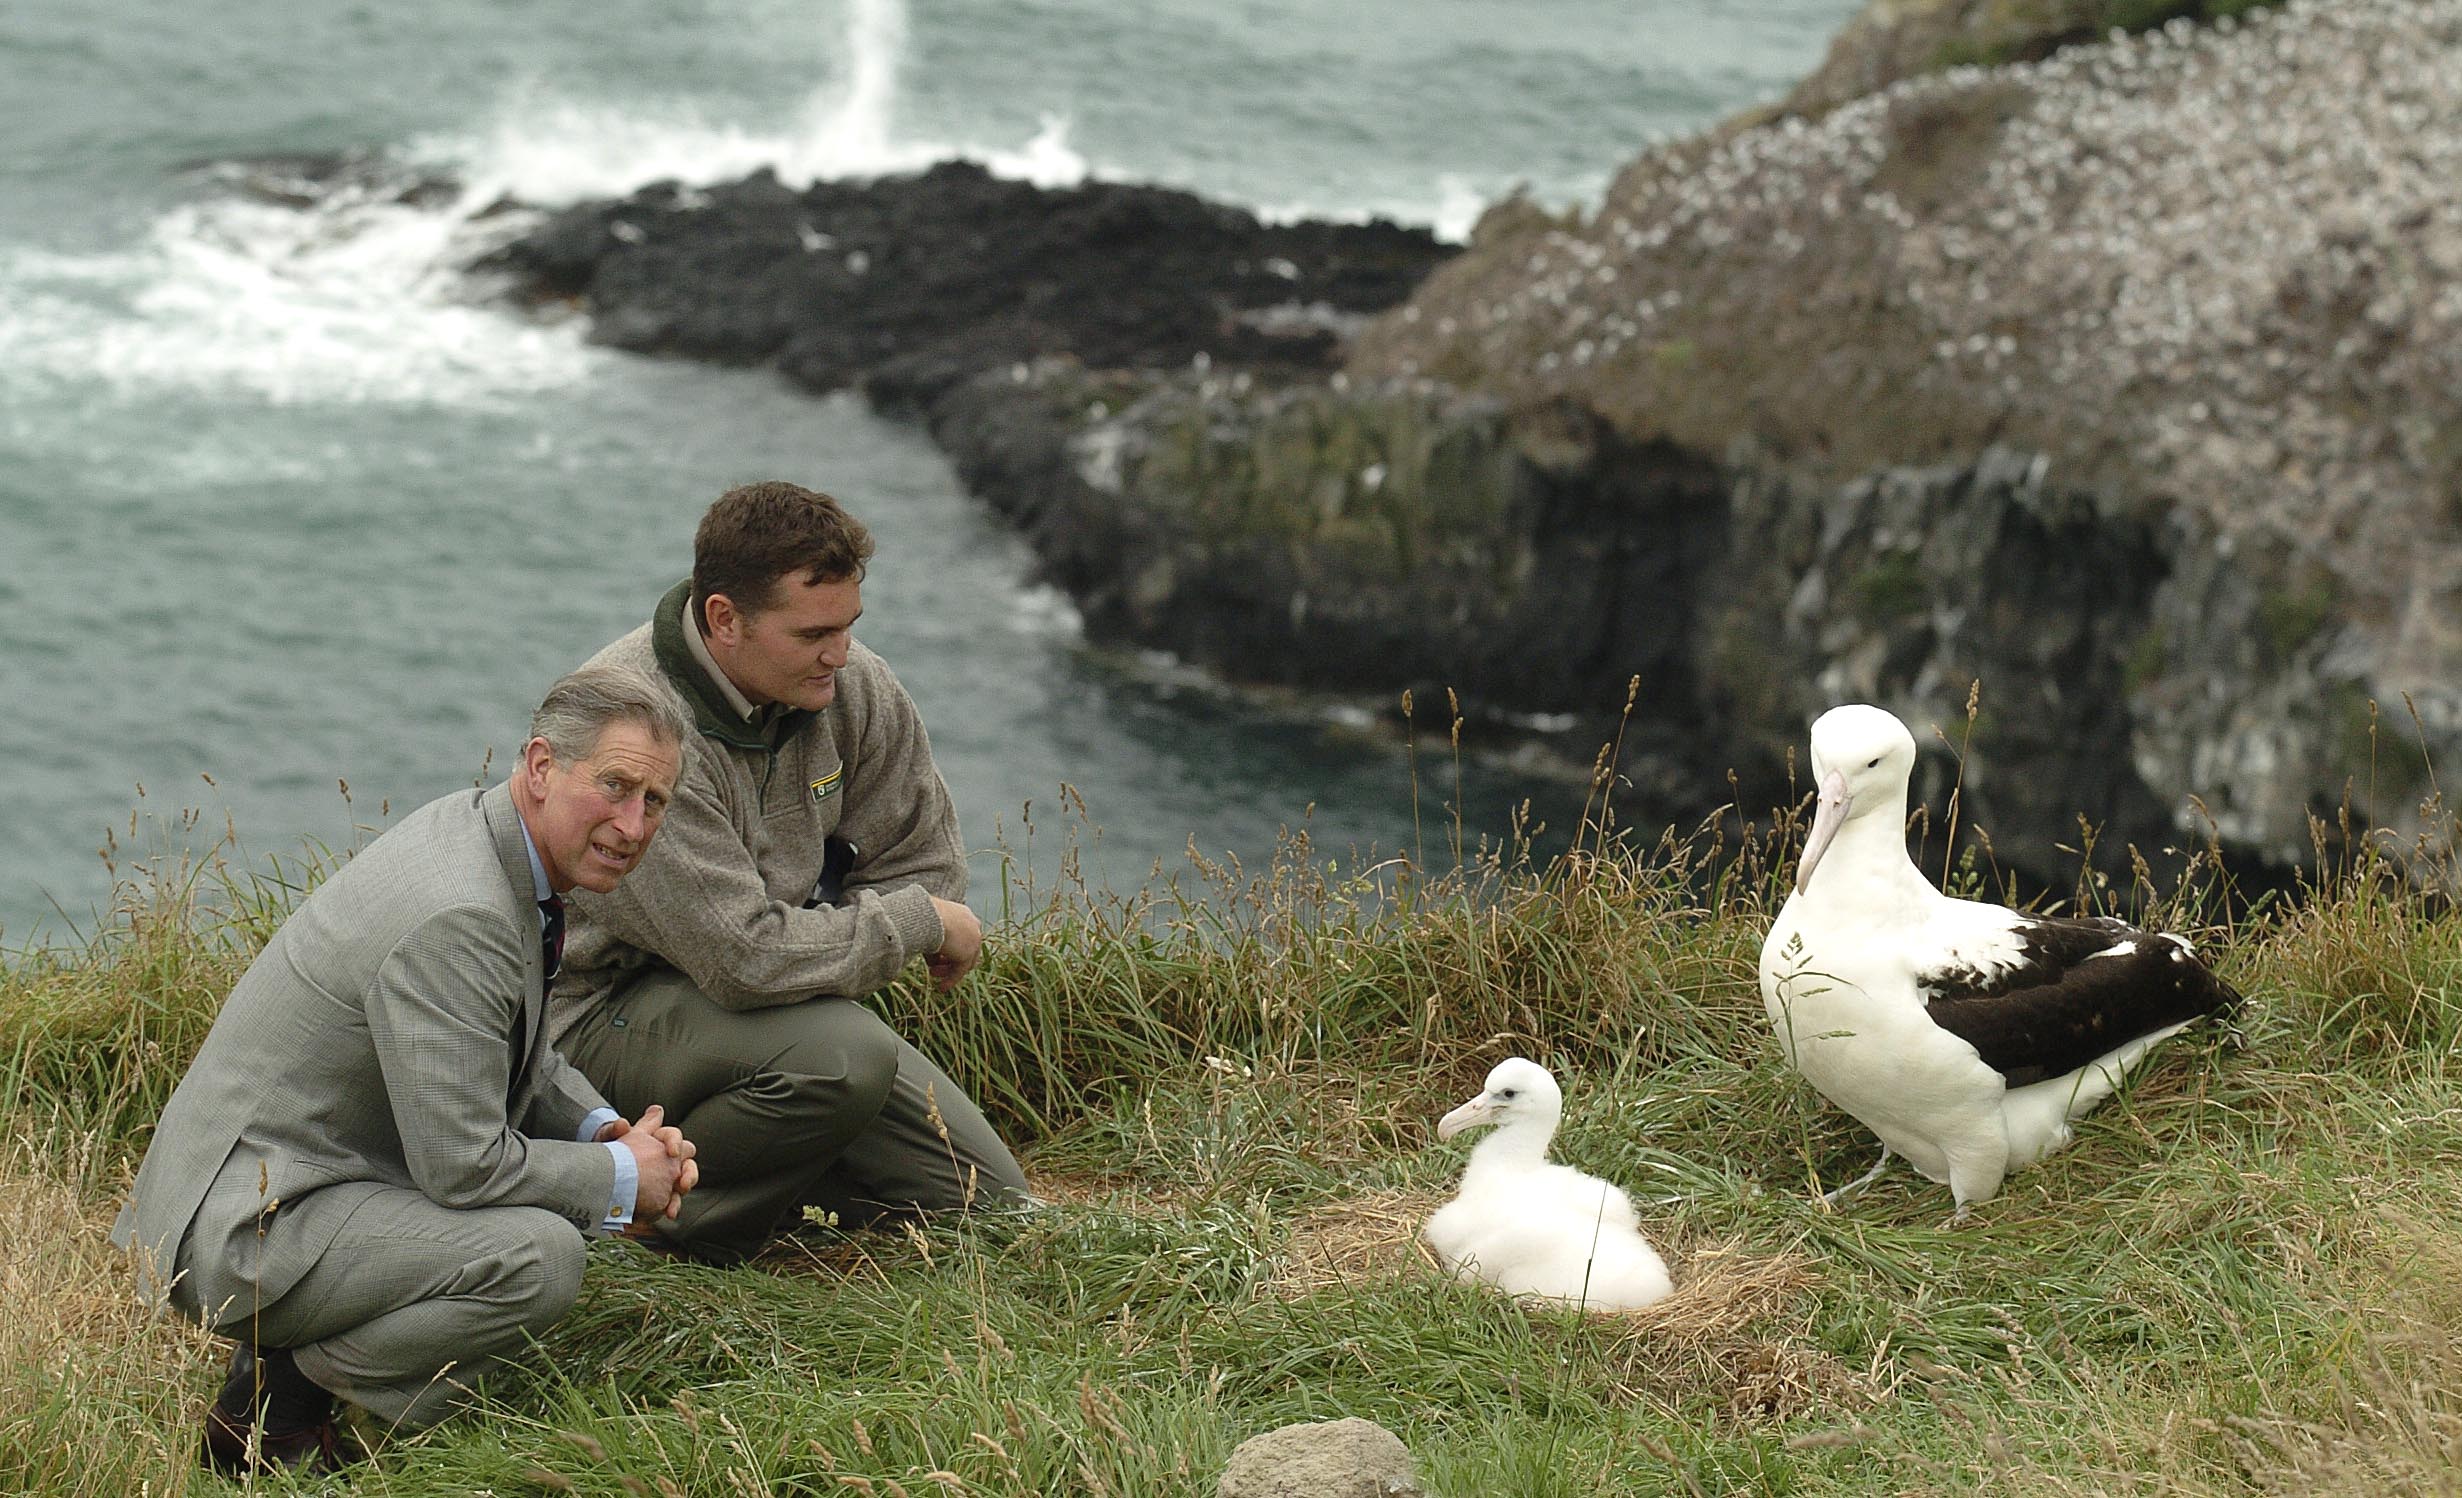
1966, 1035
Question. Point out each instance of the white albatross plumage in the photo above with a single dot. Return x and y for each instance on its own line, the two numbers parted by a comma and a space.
1532, 1228
1966, 1035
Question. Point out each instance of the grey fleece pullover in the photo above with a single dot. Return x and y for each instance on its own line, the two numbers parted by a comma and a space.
720, 894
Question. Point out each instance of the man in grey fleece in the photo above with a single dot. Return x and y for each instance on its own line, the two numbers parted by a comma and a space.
810, 853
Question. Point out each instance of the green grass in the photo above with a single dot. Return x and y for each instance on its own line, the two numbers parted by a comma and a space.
2239, 1280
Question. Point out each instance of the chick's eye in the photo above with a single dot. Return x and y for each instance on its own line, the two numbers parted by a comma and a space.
1874, 763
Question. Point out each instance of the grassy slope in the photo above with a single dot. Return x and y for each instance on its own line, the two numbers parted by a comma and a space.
2241, 1279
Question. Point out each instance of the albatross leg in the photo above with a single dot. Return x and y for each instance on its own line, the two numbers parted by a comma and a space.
1834, 1198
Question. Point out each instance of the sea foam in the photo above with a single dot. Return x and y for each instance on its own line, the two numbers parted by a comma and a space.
541, 148
352, 303
359, 298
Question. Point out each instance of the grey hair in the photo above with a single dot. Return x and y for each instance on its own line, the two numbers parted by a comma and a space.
583, 703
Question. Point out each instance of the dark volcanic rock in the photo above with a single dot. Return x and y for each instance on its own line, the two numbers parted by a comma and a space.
1510, 564
1532, 559
912, 284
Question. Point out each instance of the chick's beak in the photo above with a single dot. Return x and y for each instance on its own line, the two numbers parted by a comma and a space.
1469, 1116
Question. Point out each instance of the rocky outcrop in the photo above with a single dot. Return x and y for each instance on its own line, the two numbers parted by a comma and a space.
2212, 281
1890, 41
1537, 562
907, 286
1314, 535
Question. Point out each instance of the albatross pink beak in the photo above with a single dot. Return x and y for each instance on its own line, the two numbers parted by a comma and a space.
1469, 1116
1829, 814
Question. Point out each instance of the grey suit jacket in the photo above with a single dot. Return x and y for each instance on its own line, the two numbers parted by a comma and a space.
372, 1044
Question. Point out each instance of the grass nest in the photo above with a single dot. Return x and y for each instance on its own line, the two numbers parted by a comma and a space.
1737, 1327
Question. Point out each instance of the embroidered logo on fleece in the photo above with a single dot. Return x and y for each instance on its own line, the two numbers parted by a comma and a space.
826, 786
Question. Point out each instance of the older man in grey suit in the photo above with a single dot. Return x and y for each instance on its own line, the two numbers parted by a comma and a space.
377, 1176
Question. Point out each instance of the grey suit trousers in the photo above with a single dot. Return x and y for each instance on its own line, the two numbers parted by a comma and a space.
410, 1301
813, 1104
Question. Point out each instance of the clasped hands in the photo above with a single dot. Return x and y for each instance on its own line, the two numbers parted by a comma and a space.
664, 1158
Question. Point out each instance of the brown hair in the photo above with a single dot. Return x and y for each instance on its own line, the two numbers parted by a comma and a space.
757, 535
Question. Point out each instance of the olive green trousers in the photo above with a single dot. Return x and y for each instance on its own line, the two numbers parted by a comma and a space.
817, 1104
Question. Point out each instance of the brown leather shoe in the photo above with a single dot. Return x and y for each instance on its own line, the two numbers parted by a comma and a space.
236, 1449
226, 1441
231, 1419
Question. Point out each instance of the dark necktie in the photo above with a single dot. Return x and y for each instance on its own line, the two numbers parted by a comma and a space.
551, 956
551, 936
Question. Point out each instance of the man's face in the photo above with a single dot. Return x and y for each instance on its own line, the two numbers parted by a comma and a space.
791, 651
596, 814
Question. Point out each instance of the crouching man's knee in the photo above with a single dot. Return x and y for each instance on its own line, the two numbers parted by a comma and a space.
541, 1270
871, 1071
844, 1065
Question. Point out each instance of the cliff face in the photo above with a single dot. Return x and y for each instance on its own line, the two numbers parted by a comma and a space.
2207, 286
1537, 562
1312, 535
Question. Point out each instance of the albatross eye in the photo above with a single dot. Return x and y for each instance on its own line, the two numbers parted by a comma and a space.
1874, 763
1507, 1094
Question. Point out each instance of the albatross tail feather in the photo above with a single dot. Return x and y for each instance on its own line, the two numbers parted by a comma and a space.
2038, 1116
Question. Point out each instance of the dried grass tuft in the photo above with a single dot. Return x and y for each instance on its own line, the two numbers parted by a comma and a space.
85, 1368
1368, 1237
1738, 1329
1721, 1291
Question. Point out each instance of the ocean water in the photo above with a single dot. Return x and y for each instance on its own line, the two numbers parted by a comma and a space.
295, 524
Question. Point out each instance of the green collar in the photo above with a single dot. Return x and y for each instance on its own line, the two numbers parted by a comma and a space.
710, 711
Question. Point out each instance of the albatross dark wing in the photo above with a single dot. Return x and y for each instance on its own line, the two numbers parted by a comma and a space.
2082, 990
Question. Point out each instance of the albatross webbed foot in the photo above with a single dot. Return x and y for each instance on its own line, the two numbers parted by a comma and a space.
1833, 1199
